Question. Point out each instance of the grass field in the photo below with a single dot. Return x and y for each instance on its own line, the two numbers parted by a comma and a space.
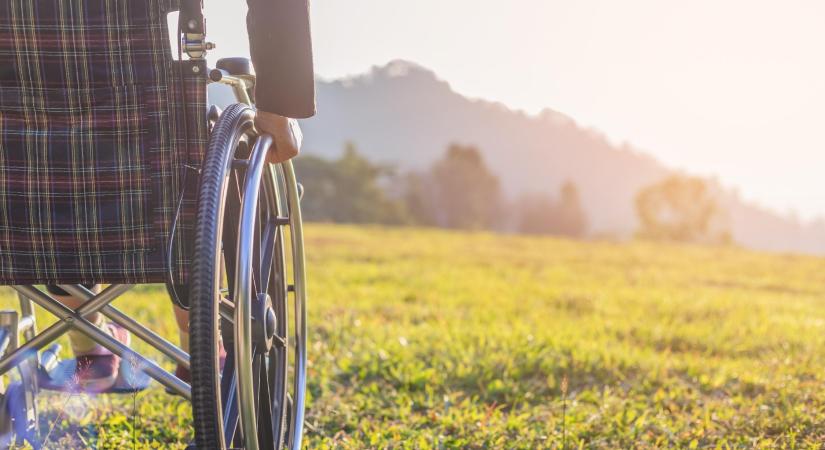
431, 339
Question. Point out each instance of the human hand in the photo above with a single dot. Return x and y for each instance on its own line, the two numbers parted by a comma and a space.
285, 132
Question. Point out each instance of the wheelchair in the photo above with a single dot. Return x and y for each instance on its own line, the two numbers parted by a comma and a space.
115, 170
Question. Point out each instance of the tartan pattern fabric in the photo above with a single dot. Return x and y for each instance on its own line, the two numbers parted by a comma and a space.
96, 123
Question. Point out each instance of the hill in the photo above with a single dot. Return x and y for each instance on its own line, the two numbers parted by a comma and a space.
404, 114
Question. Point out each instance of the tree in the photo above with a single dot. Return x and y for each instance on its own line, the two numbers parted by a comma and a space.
680, 208
420, 199
572, 221
541, 214
347, 190
459, 191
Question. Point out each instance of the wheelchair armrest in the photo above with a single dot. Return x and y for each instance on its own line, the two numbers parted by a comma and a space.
235, 66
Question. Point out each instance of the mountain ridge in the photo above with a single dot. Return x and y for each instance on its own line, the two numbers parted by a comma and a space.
402, 113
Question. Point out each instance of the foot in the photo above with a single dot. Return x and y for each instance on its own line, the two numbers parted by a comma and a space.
98, 370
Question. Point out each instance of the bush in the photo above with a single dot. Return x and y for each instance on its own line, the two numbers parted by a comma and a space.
347, 190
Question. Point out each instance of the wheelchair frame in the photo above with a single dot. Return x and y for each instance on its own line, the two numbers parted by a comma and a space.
76, 319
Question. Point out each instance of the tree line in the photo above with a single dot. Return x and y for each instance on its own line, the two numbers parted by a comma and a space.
457, 191
460, 191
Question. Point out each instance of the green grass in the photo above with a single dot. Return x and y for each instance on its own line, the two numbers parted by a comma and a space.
428, 339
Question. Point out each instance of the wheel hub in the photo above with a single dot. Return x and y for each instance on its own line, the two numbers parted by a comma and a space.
270, 322
264, 323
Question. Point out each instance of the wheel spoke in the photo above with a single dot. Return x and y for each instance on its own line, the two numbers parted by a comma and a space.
288, 422
233, 202
256, 379
265, 418
229, 400
226, 309
256, 252
268, 252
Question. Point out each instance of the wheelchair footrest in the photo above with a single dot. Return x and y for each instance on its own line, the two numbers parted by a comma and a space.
130, 379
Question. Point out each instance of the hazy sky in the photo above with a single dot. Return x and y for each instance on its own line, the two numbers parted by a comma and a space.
734, 88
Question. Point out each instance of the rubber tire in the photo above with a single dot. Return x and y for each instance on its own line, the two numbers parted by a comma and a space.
204, 274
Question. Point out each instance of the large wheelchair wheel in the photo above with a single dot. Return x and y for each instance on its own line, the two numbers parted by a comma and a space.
248, 220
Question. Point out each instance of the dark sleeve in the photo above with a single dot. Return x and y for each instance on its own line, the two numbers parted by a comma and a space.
281, 49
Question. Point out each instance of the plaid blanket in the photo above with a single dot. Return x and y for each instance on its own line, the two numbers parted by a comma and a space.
97, 126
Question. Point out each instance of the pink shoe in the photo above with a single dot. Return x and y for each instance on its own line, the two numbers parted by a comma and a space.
97, 371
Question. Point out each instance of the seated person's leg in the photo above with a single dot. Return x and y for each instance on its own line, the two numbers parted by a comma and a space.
182, 317
97, 367
81, 344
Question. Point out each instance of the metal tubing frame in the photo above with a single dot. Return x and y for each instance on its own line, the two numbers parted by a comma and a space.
76, 319
28, 368
26, 312
300, 282
239, 84
57, 329
150, 337
243, 292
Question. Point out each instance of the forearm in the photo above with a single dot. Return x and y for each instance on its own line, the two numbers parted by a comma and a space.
281, 49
